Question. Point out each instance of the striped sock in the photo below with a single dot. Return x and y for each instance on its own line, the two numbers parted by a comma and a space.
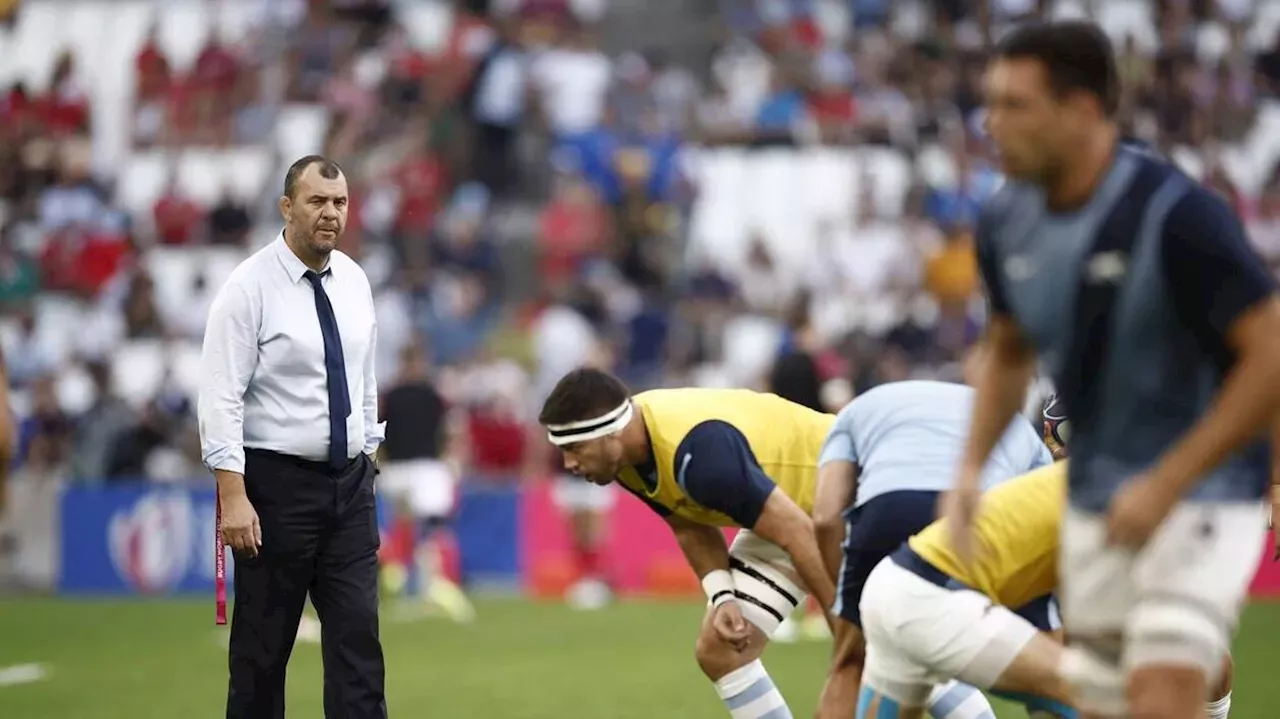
1219, 709
954, 700
750, 694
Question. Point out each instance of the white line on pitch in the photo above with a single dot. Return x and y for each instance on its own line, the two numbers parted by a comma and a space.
22, 674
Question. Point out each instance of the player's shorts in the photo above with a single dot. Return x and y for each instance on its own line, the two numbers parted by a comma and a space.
575, 494
873, 531
922, 628
765, 580
426, 487
1176, 600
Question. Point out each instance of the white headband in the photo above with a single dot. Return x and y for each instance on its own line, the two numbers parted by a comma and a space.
611, 422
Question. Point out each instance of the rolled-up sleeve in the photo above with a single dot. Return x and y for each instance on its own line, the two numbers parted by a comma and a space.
228, 361
374, 431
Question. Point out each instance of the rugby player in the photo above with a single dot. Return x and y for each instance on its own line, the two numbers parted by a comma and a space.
930, 615
705, 459
891, 453
1138, 291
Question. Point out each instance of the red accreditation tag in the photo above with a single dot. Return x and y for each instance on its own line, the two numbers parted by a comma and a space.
219, 565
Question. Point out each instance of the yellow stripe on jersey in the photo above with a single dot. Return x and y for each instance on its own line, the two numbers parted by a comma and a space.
1015, 539
786, 439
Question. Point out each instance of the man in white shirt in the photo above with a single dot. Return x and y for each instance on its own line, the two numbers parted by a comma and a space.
289, 423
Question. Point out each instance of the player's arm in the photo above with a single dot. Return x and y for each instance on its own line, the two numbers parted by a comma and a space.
1223, 292
703, 545
717, 469
1004, 371
837, 486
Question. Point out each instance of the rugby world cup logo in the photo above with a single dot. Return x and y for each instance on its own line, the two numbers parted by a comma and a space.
150, 542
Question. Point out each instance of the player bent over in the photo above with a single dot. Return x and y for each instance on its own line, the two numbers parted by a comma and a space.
888, 458
705, 459
930, 617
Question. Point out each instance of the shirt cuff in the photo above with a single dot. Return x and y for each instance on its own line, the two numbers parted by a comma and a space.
226, 459
374, 437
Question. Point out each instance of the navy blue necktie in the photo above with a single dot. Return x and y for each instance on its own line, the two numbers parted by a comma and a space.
335, 368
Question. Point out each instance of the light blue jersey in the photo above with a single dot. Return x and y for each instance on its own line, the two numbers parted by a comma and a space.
911, 436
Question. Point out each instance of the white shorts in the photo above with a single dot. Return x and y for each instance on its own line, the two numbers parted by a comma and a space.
574, 494
1176, 600
426, 487
765, 581
920, 634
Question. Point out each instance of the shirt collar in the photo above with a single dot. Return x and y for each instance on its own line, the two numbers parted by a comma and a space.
293, 266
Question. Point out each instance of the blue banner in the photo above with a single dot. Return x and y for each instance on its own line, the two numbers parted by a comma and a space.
143, 539
156, 539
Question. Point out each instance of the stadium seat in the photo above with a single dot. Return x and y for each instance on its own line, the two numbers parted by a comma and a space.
183, 31
936, 167
1068, 10
172, 270
233, 20
142, 180
137, 367
184, 363
58, 324
245, 171
427, 23
891, 171
36, 43
1212, 40
1124, 18
300, 130
202, 175
75, 389
1263, 31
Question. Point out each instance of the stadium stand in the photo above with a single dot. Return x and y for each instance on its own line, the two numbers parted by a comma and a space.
693, 198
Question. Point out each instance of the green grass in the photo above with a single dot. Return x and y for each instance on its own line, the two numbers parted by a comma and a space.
520, 660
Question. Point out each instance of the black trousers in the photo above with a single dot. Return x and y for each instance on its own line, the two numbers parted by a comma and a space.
319, 536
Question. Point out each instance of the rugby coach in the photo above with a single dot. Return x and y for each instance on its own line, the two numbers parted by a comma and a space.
288, 423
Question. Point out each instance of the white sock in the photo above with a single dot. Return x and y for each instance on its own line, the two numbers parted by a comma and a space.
954, 700
1219, 709
749, 693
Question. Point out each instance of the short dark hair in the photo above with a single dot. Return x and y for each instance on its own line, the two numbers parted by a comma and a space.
1077, 56
583, 394
329, 170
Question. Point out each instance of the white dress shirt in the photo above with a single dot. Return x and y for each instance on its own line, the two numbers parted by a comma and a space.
263, 381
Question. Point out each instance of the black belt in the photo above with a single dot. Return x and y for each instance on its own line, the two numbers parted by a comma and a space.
907, 558
312, 465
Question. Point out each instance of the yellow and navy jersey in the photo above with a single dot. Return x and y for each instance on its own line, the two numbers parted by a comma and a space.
719, 453
1015, 557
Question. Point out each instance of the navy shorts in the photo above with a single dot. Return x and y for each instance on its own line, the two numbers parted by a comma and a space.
872, 532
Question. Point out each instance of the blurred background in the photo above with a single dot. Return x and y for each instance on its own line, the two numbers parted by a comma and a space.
776, 194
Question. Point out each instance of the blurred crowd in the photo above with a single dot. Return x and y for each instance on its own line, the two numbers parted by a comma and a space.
522, 193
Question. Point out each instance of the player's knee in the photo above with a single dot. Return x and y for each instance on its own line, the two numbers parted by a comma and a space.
1226, 680
850, 652
1166, 693
716, 657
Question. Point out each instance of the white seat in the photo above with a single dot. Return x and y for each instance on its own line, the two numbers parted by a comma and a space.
58, 322
1068, 10
36, 43
202, 175
142, 181
1212, 40
891, 171
183, 31
137, 367
184, 362
427, 22
1265, 27
300, 130
246, 172
1189, 161
173, 270
75, 390
936, 167
1125, 18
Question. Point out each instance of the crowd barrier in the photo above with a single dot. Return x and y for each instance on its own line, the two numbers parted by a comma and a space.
158, 540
